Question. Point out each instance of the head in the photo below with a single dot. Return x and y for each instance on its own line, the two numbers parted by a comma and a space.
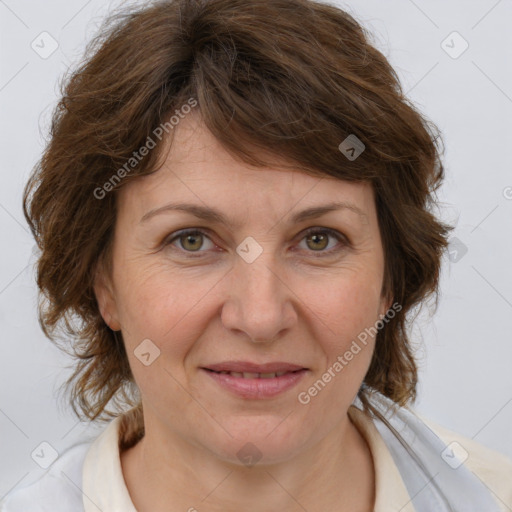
245, 108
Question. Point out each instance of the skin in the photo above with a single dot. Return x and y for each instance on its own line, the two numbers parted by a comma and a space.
300, 301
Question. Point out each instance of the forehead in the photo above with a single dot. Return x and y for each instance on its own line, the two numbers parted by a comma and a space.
198, 170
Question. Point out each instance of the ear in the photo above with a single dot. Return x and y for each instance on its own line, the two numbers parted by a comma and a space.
385, 304
105, 297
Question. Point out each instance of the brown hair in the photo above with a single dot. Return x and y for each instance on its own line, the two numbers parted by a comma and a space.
291, 78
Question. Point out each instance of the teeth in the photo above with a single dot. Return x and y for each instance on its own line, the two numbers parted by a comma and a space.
248, 375
252, 375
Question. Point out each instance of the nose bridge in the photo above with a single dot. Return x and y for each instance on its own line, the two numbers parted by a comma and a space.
259, 303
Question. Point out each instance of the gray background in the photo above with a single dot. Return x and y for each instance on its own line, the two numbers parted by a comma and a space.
464, 352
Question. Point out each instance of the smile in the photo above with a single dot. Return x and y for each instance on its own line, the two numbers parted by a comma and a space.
251, 375
252, 385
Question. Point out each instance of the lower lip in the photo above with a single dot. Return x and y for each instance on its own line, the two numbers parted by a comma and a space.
257, 388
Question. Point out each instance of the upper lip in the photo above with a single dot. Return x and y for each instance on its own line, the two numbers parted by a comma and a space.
249, 367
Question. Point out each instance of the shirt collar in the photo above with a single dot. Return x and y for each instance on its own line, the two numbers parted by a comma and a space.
390, 490
104, 487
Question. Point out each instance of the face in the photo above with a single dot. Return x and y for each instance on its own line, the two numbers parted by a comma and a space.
264, 290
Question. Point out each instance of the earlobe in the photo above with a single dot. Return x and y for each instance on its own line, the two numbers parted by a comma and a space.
106, 301
386, 305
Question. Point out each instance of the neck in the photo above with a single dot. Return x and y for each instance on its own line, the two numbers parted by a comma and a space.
164, 472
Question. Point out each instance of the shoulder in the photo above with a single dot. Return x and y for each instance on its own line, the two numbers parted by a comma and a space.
85, 478
59, 489
493, 468
471, 476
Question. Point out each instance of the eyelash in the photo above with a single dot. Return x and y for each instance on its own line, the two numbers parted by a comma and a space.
314, 230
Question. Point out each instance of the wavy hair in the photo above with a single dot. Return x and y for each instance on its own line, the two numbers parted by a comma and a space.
292, 78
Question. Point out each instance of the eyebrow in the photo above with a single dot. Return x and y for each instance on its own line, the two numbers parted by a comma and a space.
215, 216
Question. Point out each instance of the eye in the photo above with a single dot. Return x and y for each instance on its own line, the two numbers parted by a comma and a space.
190, 240
316, 239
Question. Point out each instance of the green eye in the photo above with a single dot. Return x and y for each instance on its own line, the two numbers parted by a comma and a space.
192, 240
317, 239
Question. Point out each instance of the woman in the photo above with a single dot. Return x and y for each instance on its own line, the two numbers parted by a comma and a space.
234, 217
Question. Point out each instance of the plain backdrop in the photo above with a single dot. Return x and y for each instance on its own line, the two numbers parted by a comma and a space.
455, 62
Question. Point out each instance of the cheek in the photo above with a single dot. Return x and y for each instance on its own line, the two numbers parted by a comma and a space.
163, 306
346, 313
346, 306
154, 308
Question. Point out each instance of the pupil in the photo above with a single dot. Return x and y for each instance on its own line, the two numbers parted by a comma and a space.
318, 238
191, 238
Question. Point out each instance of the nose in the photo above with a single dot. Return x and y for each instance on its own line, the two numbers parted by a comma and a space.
259, 302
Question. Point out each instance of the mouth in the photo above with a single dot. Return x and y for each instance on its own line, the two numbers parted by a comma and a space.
252, 375
255, 381
254, 368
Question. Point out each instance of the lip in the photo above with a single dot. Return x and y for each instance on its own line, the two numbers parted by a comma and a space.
249, 367
255, 388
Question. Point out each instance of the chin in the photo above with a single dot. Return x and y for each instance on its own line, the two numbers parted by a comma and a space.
257, 441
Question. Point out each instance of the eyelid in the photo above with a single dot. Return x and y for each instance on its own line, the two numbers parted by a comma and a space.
340, 237
169, 240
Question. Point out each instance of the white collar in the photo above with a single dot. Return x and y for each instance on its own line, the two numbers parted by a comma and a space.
104, 487
410, 474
